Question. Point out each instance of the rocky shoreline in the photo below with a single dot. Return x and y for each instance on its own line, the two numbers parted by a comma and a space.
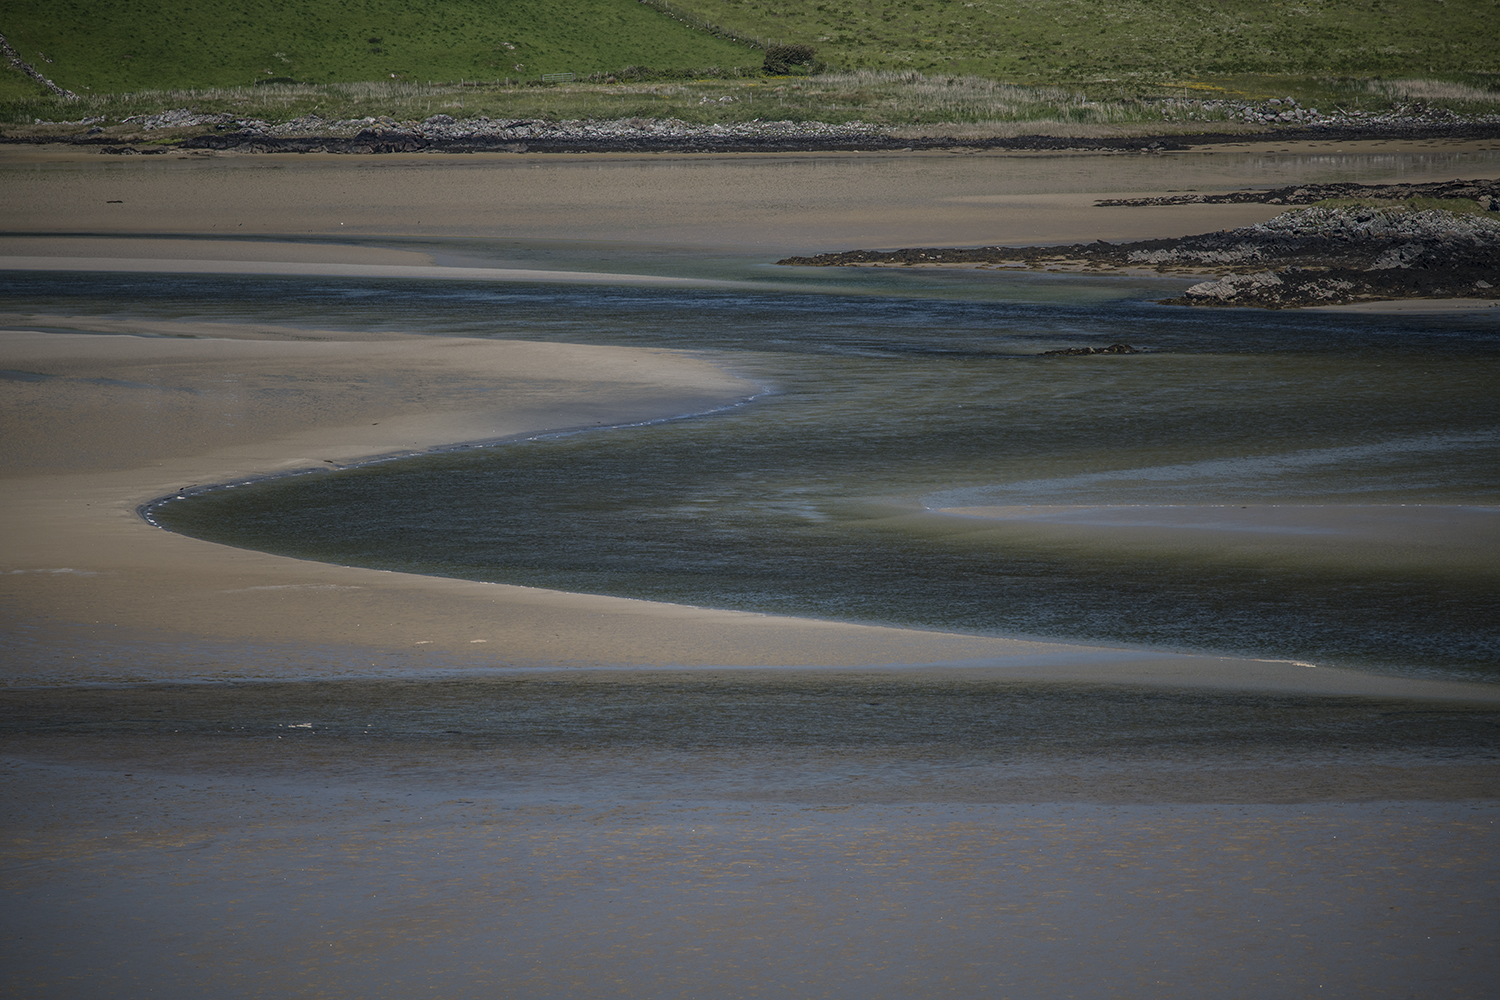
1335, 255
183, 128
1484, 193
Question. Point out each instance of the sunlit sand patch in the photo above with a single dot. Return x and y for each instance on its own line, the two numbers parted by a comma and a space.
344, 269
1410, 523
189, 249
62, 571
292, 586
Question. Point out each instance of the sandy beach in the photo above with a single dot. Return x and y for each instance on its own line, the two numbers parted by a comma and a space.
356, 868
787, 203
152, 414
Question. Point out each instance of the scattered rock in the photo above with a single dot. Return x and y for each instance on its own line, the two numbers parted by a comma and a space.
176, 118
12, 57
81, 121
1485, 192
442, 132
1312, 256
1081, 351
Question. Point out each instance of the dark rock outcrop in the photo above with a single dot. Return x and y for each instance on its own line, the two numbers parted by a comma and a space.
1314, 256
1485, 192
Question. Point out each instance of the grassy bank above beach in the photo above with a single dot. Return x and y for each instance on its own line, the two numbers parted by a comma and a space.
900, 104
117, 45
1122, 63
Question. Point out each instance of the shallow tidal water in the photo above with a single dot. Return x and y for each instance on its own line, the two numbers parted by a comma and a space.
887, 394
791, 736
842, 833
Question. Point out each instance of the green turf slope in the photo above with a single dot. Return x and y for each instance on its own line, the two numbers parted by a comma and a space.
126, 45
1074, 41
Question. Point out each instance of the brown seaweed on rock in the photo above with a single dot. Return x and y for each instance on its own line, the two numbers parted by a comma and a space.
1315, 256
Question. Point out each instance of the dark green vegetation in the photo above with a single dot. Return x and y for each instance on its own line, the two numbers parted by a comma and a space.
784, 59
123, 45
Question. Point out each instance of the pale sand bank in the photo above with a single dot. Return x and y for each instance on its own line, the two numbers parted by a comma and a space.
792, 203
1436, 525
341, 269
118, 249
96, 425
119, 420
1414, 306
1393, 538
128, 419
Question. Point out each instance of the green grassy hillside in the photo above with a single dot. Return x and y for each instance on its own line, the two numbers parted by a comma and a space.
901, 62
1076, 41
126, 45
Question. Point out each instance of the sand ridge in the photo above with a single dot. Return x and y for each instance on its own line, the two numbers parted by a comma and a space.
98, 424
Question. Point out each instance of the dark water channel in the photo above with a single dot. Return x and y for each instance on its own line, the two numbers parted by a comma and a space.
891, 393
840, 736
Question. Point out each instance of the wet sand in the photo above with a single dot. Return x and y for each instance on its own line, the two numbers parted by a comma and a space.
286, 887
153, 849
1410, 538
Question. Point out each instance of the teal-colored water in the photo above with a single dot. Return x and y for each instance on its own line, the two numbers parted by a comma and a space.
890, 393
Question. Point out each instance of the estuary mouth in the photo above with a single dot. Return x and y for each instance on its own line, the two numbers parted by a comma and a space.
1162, 486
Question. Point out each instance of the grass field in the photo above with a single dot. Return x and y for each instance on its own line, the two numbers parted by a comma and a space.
126, 45
1080, 41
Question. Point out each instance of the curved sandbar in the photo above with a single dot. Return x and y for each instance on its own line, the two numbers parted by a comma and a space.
97, 424
1406, 536
331, 269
